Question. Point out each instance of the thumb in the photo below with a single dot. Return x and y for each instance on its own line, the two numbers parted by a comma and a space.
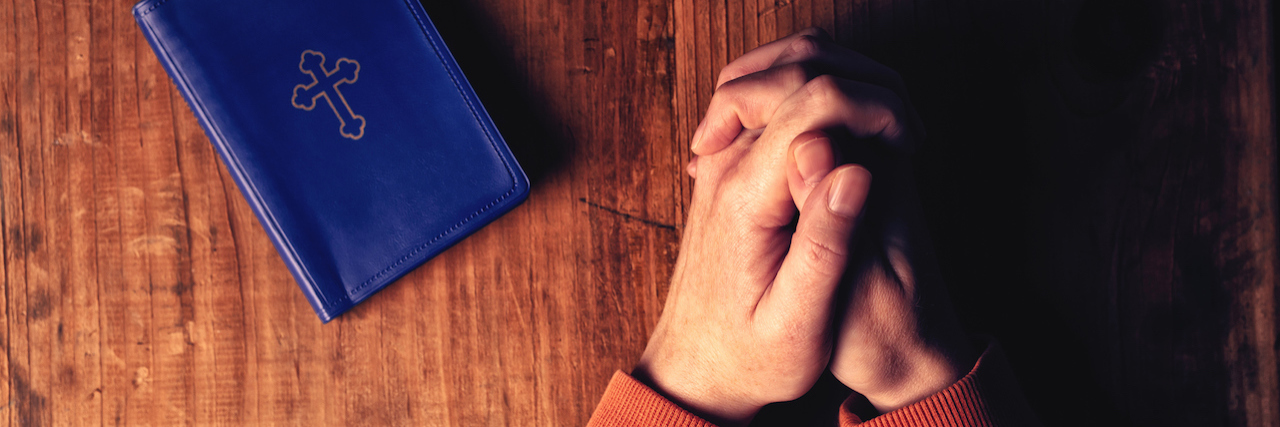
820, 247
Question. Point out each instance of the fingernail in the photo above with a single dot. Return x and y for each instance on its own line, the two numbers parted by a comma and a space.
697, 137
844, 198
814, 160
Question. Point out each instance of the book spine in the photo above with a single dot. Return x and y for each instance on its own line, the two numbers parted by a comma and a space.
325, 308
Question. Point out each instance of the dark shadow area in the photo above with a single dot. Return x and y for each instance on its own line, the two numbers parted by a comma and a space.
505, 92
991, 171
990, 83
819, 407
1035, 184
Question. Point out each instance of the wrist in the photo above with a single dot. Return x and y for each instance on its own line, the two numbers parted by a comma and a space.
711, 402
911, 373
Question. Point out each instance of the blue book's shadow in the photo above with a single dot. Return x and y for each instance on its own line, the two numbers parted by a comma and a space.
527, 129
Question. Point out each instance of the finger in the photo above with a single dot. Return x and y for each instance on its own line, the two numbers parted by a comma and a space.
828, 57
756, 60
760, 195
829, 103
825, 57
811, 271
761, 57
751, 100
811, 158
746, 103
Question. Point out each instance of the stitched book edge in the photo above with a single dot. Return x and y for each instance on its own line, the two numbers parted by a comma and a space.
326, 307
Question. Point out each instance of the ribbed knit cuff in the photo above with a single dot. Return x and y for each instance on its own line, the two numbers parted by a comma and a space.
988, 396
627, 402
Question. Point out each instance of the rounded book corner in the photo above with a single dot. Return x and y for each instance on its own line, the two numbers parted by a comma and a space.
143, 7
522, 188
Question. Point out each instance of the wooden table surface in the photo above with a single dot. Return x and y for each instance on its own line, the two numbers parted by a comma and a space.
1100, 178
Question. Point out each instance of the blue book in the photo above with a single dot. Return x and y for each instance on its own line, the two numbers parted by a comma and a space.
348, 127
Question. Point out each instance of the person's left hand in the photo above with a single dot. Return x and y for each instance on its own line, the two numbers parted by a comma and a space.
898, 341
747, 321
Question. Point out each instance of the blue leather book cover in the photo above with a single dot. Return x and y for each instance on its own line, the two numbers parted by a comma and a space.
348, 127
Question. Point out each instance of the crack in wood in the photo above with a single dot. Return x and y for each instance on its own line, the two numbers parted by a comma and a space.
627, 215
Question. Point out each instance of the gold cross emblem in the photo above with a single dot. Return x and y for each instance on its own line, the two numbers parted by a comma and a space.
324, 83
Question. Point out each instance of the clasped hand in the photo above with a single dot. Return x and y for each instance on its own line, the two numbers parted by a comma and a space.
784, 218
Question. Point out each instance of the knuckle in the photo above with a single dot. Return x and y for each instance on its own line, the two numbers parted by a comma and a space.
732, 92
891, 119
815, 32
805, 46
890, 127
727, 73
797, 73
745, 97
730, 98
719, 95
727, 126
824, 90
823, 257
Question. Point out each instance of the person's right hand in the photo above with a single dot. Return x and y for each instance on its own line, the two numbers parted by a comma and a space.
898, 341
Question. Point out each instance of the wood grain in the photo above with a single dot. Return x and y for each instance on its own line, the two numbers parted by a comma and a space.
1100, 178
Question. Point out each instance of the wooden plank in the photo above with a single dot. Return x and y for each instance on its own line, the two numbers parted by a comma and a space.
217, 332
108, 257
135, 342
10, 192
1120, 184
162, 246
80, 374
29, 298
47, 289
10, 218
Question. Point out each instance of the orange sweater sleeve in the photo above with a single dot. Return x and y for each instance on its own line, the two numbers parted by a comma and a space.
628, 402
988, 396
